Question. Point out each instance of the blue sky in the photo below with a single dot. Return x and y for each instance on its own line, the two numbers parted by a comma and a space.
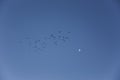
40, 39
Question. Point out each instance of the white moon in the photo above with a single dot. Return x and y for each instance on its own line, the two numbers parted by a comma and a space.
79, 50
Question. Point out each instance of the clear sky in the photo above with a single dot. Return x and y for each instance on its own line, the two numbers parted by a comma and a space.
59, 39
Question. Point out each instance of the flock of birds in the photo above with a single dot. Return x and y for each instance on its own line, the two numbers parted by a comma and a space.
58, 38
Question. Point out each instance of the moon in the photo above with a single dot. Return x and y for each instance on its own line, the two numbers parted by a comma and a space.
79, 50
